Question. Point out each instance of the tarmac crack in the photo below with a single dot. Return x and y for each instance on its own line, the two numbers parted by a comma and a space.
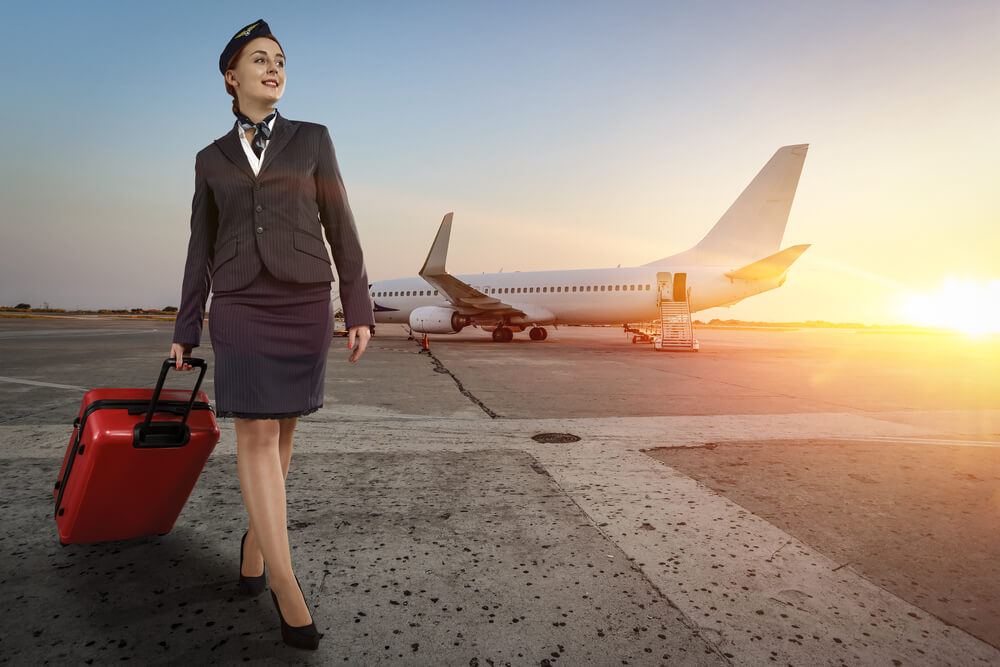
441, 368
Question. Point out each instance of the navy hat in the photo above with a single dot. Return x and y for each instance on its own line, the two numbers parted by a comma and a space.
247, 33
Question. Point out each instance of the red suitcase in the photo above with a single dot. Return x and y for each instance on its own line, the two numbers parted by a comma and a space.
125, 475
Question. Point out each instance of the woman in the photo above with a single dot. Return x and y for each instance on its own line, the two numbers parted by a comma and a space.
265, 194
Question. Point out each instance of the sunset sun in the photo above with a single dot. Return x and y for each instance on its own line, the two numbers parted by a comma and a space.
962, 305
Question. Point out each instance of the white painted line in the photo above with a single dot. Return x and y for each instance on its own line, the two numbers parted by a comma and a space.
74, 333
41, 384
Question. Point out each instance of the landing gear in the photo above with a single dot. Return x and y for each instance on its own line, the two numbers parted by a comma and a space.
538, 333
502, 335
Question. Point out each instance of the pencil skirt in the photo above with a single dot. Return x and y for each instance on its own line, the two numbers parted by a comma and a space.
270, 341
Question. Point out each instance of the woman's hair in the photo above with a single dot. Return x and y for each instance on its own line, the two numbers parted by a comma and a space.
229, 66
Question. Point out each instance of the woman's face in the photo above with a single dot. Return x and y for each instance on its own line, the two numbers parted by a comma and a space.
258, 74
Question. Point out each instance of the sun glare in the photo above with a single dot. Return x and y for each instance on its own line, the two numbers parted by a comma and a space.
963, 305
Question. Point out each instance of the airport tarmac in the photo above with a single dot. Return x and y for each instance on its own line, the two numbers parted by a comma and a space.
792, 497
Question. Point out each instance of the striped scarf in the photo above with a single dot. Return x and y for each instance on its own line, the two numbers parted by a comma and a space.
261, 134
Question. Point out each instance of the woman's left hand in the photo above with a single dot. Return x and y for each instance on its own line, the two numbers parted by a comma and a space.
357, 340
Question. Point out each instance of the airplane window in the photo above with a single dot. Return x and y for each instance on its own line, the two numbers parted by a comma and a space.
531, 289
574, 288
618, 288
602, 288
545, 289
631, 288
647, 286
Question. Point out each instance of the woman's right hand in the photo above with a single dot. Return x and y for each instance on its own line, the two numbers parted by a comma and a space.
178, 351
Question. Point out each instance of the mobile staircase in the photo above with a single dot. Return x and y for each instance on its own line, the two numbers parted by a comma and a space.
676, 332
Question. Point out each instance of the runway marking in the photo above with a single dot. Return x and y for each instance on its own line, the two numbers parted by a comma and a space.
903, 440
77, 333
41, 384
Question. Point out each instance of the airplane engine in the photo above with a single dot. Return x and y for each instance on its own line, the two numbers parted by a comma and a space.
437, 320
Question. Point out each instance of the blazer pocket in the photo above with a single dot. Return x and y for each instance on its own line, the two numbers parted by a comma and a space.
224, 253
309, 244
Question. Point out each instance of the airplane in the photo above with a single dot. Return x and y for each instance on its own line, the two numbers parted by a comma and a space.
738, 258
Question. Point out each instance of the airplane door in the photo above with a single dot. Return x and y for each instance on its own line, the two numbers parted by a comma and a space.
663, 283
680, 287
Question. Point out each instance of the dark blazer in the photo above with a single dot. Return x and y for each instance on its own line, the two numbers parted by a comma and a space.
241, 223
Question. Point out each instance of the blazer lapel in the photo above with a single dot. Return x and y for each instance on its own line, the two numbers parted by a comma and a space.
282, 133
230, 146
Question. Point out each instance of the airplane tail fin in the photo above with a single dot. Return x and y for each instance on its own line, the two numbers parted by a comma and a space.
755, 223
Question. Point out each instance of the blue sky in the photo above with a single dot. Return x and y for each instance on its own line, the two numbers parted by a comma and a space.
562, 135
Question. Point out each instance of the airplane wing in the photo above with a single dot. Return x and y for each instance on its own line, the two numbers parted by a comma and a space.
771, 266
466, 299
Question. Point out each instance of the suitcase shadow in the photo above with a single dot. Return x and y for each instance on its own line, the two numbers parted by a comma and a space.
150, 599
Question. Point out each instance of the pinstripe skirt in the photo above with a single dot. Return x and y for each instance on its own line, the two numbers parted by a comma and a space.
270, 341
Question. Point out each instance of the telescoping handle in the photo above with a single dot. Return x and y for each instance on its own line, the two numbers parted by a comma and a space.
175, 433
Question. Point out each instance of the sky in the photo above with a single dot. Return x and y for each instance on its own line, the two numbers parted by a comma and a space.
563, 135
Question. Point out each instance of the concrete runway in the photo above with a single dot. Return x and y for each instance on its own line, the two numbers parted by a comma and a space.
788, 497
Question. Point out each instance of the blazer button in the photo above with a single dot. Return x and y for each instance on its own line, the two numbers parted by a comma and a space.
260, 230
259, 208
256, 186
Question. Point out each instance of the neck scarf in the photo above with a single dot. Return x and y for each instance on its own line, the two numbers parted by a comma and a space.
262, 131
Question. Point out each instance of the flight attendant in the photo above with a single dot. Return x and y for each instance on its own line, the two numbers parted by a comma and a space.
266, 194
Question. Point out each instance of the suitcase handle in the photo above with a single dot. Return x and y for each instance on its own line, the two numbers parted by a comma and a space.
168, 434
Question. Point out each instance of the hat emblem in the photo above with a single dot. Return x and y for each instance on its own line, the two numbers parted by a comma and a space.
246, 32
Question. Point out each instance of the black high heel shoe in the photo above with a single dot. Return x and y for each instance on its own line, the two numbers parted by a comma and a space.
299, 636
252, 586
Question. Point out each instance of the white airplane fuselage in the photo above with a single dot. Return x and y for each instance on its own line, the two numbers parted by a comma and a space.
580, 296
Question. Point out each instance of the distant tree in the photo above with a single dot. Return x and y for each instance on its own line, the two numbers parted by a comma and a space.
138, 310
23, 306
170, 309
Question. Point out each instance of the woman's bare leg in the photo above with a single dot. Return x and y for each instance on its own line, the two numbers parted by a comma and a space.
263, 485
253, 559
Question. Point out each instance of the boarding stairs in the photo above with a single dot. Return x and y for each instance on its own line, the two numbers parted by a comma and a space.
675, 329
